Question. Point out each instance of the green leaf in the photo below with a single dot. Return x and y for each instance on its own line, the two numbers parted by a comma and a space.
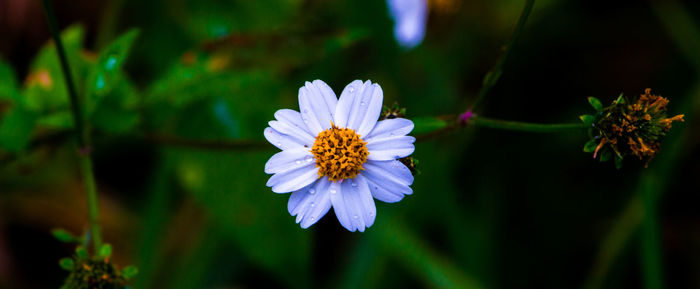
620, 99
129, 272
111, 119
46, 88
8, 83
605, 155
428, 124
81, 252
61, 120
105, 251
587, 119
492, 77
16, 129
64, 236
618, 162
590, 146
66, 263
595, 103
107, 73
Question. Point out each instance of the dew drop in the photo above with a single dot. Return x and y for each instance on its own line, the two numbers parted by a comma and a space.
362, 103
312, 204
353, 183
111, 62
308, 159
333, 191
352, 88
355, 217
279, 144
313, 218
298, 162
312, 191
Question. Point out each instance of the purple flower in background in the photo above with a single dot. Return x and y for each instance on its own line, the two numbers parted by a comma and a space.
410, 18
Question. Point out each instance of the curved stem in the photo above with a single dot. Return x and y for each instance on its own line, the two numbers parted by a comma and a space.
491, 78
525, 126
67, 75
81, 134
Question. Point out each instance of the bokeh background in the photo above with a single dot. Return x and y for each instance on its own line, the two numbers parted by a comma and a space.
490, 209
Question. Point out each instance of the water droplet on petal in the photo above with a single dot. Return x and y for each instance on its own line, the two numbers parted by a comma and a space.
355, 217
312, 204
313, 218
351, 89
353, 183
279, 144
333, 191
298, 162
308, 159
312, 191
362, 103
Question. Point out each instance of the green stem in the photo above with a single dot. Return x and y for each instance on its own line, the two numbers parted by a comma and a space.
491, 78
81, 134
67, 75
525, 126
93, 207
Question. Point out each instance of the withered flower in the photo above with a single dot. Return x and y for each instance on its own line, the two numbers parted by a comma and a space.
629, 127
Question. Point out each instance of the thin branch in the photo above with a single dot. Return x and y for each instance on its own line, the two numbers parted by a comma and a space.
491, 78
81, 134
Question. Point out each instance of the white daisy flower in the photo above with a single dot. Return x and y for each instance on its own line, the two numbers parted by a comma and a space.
336, 154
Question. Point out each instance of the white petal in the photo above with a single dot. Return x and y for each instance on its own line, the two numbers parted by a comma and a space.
328, 95
295, 198
370, 110
389, 180
353, 204
290, 123
390, 148
390, 128
284, 128
282, 141
294, 179
317, 106
310, 203
365, 109
289, 159
342, 110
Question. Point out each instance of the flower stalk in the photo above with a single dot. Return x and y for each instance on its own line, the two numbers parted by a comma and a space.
525, 126
81, 133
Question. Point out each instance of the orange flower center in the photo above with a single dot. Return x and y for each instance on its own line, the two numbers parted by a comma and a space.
339, 153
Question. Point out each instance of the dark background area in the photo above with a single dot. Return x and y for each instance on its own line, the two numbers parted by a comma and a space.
490, 209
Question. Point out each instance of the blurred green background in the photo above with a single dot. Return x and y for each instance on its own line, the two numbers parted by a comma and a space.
164, 80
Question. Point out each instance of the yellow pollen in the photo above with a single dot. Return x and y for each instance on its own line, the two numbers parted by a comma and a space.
339, 153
